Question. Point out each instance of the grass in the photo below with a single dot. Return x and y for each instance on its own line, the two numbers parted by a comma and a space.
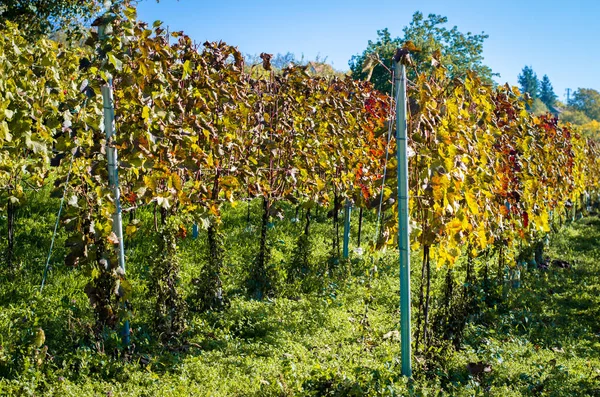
542, 339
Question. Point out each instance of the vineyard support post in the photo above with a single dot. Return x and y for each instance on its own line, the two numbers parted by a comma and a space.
347, 212
113, 176
113, 179
403, 231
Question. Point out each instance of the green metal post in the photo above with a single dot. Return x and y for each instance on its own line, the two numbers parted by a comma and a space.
347, 211
113, 177
111, 157
403, 232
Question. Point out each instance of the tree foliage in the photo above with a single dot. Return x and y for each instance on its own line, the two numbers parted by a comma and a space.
591, 129
583, 110
546, 93
435, 43
37, 17
375, 62
529, 82
576, 117
316, 67
538, 107
586, 100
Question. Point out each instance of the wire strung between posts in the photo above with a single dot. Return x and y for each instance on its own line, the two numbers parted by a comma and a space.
387, 154
62, 200
377, 224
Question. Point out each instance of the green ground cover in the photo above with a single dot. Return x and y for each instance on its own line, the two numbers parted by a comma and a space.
317, 338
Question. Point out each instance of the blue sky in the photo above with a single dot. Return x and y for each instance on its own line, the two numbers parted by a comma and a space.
557, 38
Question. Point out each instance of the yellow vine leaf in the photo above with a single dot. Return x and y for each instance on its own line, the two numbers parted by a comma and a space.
146, 113
472, 203
543, 219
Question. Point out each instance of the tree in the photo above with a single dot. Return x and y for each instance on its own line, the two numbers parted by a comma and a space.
588, 127
576, 117
538, 107
278, 61
365, 66
316, 67
529, 82
281, 61
37, 17
583, 110
457, 51
546, 93
591, 129
586, 100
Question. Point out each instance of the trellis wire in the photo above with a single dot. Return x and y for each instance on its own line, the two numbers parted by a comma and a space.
387, 153
62, 200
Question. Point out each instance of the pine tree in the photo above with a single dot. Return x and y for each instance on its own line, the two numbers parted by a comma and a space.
529, 82
546, 93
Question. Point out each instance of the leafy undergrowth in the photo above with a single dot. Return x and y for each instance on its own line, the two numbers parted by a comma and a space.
541, 339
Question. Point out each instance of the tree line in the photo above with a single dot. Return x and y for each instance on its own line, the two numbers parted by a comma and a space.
582, 108
433, 43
